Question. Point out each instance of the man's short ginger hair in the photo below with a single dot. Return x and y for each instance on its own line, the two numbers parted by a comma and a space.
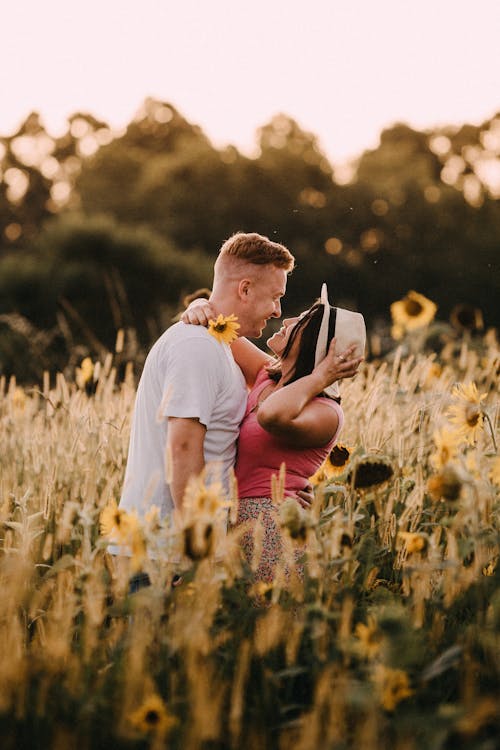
257, 249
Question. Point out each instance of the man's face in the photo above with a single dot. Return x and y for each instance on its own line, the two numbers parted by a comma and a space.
264, 299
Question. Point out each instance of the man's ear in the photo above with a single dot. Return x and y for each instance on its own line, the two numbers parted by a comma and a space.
244, 288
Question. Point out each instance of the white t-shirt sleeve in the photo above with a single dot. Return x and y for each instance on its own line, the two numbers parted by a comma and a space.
192, 381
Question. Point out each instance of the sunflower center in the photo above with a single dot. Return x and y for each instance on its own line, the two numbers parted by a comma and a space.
372, 473
466, 316
152, 717
220, 327
472, 415
339, 456
413, 308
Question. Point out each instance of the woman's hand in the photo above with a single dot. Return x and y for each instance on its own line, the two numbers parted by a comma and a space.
305, 497
198, 313
337, 366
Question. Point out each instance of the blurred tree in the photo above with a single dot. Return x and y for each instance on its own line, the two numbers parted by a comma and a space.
402, 159
24, 191
111, 181
432, 230
422, 211
39, 173
97, 277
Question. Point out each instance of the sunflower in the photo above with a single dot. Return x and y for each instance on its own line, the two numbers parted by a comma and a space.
337, 460
446, 485
467, 318
198, 539
447, 443
200, 497
370, 471
19, 399
412, 312
319, 476
84, 373
397, 332
370, 638
224, 329
393, 686
334, 464
115, 522
294, 518
153, 717
414, 542
467, 412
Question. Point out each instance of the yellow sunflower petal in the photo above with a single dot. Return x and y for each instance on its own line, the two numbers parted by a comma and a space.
412, 312
337, 460
153, 717
447, 443
466, 413
224, 328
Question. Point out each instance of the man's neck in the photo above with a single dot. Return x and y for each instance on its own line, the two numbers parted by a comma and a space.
226, 306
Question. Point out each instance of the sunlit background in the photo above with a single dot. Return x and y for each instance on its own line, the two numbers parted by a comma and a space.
343, 69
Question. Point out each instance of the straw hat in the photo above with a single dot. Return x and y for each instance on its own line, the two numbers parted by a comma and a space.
346, 326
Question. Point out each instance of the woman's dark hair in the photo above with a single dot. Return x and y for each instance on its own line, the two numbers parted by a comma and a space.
309, 324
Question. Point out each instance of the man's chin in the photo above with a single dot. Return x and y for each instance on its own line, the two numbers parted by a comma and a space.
256, 333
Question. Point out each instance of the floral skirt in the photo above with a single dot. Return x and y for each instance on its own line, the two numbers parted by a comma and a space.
271, 552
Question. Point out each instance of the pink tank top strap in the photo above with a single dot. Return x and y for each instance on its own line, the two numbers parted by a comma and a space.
261, 381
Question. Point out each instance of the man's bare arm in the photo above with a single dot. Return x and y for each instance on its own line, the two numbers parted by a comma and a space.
185, 454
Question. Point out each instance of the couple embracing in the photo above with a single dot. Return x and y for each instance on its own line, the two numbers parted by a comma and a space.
205, 403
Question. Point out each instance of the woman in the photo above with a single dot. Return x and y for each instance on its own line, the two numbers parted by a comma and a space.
293, 413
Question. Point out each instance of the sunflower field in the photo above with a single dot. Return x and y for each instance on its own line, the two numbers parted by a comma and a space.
391, 639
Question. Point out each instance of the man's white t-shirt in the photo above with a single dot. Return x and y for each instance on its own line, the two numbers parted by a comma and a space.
187, 373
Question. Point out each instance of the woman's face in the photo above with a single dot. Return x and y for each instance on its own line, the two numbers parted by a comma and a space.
278, 340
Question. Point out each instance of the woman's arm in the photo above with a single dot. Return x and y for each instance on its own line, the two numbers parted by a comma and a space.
247, 356
291, 413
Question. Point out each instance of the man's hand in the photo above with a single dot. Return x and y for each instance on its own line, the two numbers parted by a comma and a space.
185, 454
198, 313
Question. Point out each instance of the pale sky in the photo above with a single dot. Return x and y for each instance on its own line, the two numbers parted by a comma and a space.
344, 69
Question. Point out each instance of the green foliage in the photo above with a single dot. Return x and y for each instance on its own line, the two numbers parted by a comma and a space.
89, 277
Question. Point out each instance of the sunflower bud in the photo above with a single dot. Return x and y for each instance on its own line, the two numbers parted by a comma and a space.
446, 485
198, 540
294, 519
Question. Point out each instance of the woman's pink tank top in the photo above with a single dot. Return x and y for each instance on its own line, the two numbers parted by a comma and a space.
261, 454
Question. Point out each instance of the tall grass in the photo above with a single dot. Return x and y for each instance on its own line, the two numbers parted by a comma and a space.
390, 641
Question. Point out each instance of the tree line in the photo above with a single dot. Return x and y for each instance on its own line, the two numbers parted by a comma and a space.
104, 230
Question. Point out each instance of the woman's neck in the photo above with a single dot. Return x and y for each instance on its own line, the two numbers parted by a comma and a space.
286, 370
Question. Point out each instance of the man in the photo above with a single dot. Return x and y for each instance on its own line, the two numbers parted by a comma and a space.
192, 395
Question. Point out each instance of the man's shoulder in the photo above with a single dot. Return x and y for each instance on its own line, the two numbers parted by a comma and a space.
180, 332
183, 338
